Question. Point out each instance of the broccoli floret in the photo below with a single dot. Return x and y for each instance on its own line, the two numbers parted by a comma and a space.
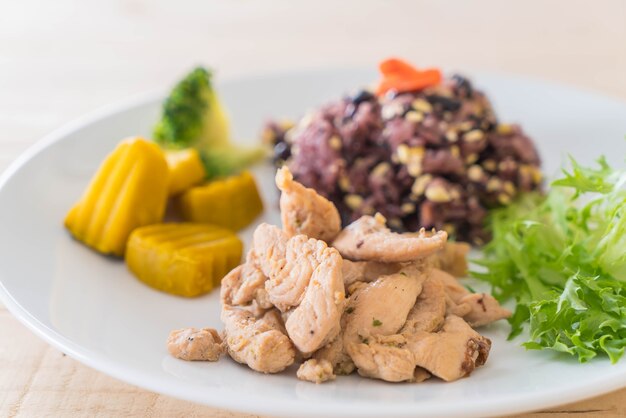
184, 111
193, 117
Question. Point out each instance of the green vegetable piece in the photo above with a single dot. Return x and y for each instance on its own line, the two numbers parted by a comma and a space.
190, 102
193, 117
562, 257
376, 323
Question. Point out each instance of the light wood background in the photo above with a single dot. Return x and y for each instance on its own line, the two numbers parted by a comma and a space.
60, 59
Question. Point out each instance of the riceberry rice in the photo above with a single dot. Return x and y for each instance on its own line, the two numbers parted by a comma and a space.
434, 158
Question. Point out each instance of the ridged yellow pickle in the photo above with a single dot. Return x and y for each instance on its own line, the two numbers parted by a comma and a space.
232, 202
183, 259
186, 169
129, 190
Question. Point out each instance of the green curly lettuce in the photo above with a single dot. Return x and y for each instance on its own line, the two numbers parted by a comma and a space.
562, 256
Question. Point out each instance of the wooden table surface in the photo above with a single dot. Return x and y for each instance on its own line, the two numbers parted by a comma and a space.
61, 59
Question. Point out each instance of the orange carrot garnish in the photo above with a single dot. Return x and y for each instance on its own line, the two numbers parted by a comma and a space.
400, 76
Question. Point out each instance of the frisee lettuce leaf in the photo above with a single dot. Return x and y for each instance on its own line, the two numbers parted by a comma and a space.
562, 256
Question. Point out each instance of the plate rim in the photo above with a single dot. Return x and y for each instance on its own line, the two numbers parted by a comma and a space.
103, 364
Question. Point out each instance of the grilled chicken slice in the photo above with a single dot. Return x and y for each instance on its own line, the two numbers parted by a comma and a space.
382, 306
304, 279
335, 353
194, 344
429, 310
245, 284
317, 371
366, 271
259, 343
453, 352
316, 321
368, 239
384, 357
287, 262
450, 354
477, 309
484, 309
303, 211
376, 312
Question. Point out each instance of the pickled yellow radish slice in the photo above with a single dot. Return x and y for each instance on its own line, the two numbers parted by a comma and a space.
183, 259
186, 170
129, 190
233, 202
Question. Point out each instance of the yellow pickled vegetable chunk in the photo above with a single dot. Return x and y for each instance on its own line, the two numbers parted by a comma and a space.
186, 169
129, 190
232, 202
183, 258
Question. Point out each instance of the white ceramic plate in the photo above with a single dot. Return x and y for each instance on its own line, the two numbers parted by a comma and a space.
90, 307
